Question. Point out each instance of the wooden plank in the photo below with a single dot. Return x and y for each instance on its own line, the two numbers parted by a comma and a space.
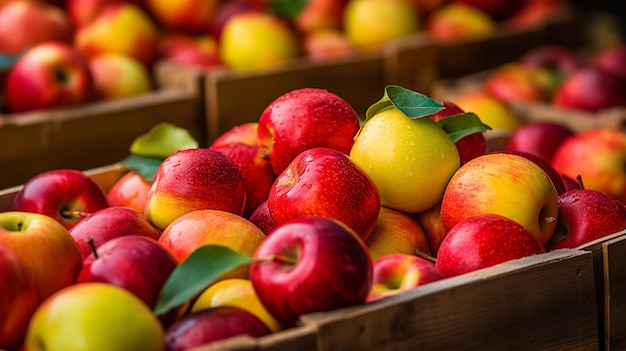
411, 62
614, 261
300, 338
544, 302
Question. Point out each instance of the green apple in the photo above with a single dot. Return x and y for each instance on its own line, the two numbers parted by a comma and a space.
94, 316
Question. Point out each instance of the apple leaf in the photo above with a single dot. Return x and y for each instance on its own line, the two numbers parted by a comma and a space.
461, 125
196, 273
411, 103
287, 8
145, 166
163, 140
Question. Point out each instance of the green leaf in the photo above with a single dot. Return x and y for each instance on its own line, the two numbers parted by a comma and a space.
145, 166
287, 8
461, 125
411, 103
196, 273
163, 140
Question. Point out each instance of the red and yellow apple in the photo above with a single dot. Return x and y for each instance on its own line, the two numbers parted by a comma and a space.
117, 76
396, 232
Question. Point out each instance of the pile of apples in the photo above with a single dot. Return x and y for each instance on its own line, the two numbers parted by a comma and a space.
63, 53
307, 209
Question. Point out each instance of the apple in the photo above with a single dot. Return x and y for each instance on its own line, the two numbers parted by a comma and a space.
187, 16
46, 248
514, 82
131, 190
554, 176
227, 9
95, 316
430, 222
203, 227
310, 264
305, 118
252, 40
539, 138
469, 146
497, 114
66, 195
24, 24
598, 156
396, 232
327, 43
245, 133
50, 74
109, 223
136, 263
409, 159
208, 326
198, 51
535, 13
324, 182
320, 14
117, 76
591, 89
262, 218
457, 21
194, 179
235, 292
554, 57
484, 240
396, 273
18, 298
122, 28
496, 9
505, 184
369, 24
82, 12
570, 183
586, 215
612, 60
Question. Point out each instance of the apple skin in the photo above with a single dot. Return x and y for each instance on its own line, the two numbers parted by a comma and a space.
227, 9
396, 232
591, 89
24, 24
198, 51
325, 182
187, 16
586, 215
109, 223
598, 156
136, 263
396, 273
514, 82
202, 227
506, 184
327, 43
82, 12
430, 222
66, 195
50, 74
555, 177
117, 76
46, 248
204, 327
194, 179
253, 40
554, 57
262, 218
539, 138
484, 240
305, 118
245, 133
612, 60
498, 115
535, 13
131, 190
332, 268
120, 27
18, 299
458, 21
94, 316
570, 183
320, 14
496, 9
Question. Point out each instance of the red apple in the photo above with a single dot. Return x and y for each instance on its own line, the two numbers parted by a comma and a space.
458, 21
66, 195
227, 9
320, 14
497, 9
245, 133
204, 327
82, 12
430, 221
396, 273
554, 57
109, 223
535, 13
24, 24
591, 89
484, 240
305, 118
136, 263
554, 176
18, 298
51, 74
131, 190
586, 215
310, 264
194, 179
539, 138
117, 76
262, 218
612, 60
198, 51
188, 16
514, 82
570, 183
46, 248
325, 182
326, 43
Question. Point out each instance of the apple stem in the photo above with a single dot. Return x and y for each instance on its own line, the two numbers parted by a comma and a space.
426, 256
20, 224
92, 245
579, 180
72, 213
281, 258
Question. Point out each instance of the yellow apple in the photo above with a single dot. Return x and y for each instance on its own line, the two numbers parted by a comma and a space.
369, 24
495, 113
396, 232
94, 316
409, 159
505, 184
117, 76
235, 292
454, 21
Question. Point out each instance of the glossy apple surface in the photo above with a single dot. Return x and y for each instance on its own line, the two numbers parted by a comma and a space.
555, 177
591, 89
262, 218
318, 264
324, 182
430, 222
131, 190
539, 138
66, 195
497, 114
482, 241
396, 232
